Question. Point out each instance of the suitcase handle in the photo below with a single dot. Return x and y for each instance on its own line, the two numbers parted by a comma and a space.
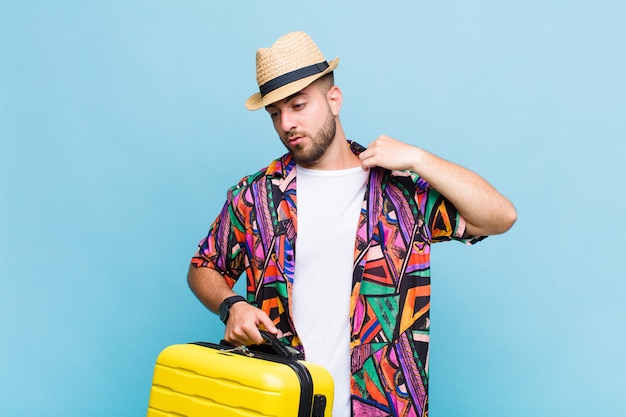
271, 346
278, 348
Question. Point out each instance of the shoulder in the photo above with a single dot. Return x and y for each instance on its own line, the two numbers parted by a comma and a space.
408, 181
279, 167
247, 180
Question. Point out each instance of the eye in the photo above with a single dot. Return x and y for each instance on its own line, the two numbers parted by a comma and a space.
298, 106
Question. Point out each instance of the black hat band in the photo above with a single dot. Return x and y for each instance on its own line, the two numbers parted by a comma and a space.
292, 76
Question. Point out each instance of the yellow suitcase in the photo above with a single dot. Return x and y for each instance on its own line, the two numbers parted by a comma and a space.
216, 380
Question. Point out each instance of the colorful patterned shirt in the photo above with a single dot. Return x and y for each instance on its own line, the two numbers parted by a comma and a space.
401, 216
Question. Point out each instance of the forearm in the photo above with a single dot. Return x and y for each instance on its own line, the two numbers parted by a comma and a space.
486, 211
209, 286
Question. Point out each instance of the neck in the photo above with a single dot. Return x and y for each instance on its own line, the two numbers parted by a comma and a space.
338, 155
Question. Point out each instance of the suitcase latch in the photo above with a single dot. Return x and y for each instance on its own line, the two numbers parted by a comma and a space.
239, 349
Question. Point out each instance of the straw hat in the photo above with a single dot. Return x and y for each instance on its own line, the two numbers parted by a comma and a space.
289, 65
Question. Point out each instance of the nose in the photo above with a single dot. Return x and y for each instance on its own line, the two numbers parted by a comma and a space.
287, 121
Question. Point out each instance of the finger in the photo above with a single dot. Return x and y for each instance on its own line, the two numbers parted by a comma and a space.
268, 325
236, 334
244, 336
253, 336
368, 153
368, 160
231, 339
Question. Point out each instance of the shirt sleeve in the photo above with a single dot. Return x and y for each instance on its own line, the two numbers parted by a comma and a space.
221, 249
441, 217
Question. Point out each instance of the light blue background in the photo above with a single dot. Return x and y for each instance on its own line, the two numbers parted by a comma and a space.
122, 124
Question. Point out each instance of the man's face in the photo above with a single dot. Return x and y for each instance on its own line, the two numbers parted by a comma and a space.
305, 124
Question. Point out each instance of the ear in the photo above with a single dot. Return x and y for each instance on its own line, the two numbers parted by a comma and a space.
335, 98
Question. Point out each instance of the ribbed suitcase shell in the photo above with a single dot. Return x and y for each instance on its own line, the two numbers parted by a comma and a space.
210, 380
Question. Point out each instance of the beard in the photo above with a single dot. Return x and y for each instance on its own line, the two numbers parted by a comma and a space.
308, 155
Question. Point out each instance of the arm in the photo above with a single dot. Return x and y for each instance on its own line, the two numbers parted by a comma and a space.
244, 320
485, 210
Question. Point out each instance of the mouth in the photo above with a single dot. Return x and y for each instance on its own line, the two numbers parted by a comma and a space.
295, 140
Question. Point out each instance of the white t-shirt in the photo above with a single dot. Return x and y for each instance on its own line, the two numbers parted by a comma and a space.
328, 207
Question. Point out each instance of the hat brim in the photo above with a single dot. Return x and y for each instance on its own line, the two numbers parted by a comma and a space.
256, 101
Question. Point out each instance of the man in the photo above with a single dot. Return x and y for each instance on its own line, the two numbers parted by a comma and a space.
335, 240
